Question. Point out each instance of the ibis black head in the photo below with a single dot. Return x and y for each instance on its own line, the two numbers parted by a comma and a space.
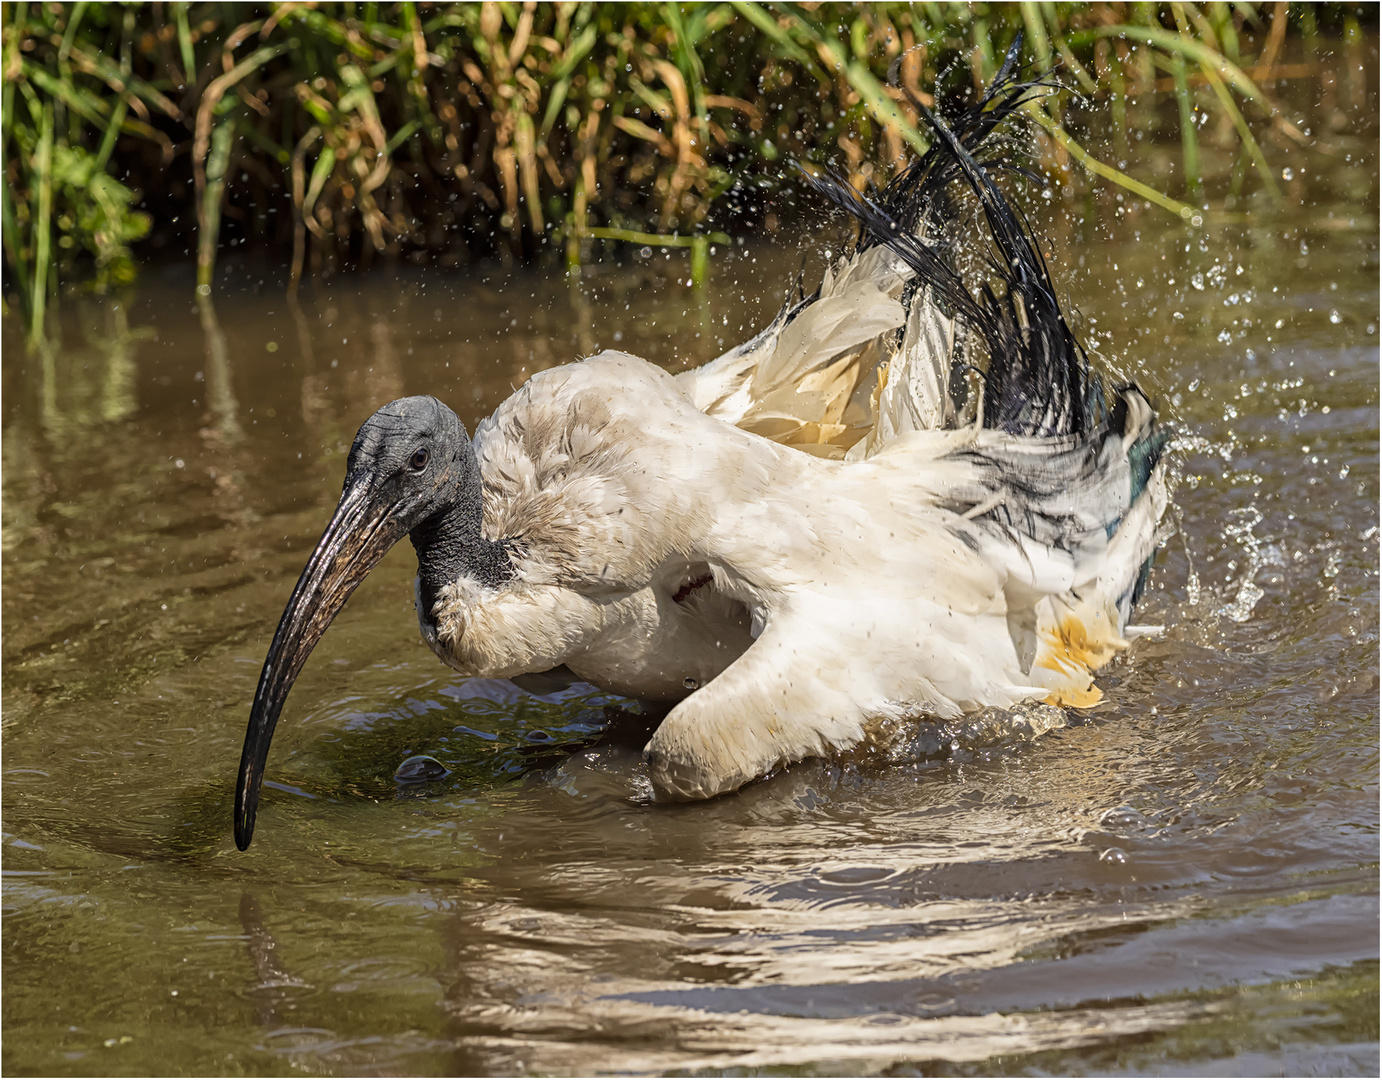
411, 469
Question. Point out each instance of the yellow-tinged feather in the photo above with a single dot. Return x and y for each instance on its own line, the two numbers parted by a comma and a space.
1081, 640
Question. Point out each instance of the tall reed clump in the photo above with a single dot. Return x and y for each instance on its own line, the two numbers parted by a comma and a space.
338, 132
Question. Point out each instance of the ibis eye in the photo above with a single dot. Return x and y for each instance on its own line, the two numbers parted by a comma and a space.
418, 461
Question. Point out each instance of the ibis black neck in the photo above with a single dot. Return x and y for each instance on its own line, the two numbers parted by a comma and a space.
450, 545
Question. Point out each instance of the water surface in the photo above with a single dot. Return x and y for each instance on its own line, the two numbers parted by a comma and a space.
1183, 879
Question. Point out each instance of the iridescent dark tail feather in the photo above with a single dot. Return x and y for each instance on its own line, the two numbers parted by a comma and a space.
1037, 381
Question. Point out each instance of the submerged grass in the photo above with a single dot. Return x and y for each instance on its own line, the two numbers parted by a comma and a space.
338, 132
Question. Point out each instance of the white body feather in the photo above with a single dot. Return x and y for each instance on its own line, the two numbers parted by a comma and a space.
841, 592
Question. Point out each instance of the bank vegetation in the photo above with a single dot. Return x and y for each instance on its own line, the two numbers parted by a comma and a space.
335, 134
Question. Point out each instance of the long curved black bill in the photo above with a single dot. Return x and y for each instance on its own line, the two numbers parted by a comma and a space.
363, 529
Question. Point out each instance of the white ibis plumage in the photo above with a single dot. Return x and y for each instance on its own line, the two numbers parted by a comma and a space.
909, 497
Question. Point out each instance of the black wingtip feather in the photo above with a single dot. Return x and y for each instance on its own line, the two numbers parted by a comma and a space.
1038, 381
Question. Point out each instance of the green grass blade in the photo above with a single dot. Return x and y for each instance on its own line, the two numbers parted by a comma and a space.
1036, 32
633, 236
399, 137
1192, 50
189, 57
14, 247
70, 34
1189, 138
879, 103
1244, 132
768, 26
1082, 76
862, 80
321, 170
82, 102
112, 133
576, 52
1234, 113
555, 100
209, 223
1108, 172
43, 235
690, 63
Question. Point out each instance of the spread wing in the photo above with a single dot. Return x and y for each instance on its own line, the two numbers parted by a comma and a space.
794, 382
882, 347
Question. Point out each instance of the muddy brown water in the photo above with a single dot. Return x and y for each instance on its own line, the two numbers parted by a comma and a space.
1183, 879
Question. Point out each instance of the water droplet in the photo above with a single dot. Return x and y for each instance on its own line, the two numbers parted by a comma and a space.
418, 768
1335, 317
690, 683
1123, 817
1287, 174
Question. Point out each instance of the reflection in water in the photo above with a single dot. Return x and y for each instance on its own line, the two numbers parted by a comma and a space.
779, 929
273, 990
220, 391
582, 319
314, 404
47, 352
385, 379
118, 399
78, 388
